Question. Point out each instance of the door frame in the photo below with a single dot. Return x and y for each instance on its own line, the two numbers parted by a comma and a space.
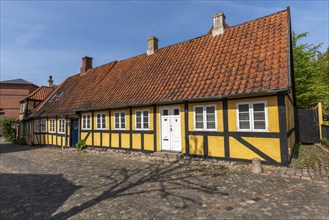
160, 111
71, 125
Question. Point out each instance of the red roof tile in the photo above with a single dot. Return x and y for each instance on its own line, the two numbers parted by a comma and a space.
248, 58
41, 93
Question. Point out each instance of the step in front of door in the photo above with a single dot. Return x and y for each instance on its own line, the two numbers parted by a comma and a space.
168, 155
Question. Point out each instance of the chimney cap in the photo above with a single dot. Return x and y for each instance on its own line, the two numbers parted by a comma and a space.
87, 57
152, 38
219, 14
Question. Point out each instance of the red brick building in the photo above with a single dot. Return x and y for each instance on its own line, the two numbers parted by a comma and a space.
11, 93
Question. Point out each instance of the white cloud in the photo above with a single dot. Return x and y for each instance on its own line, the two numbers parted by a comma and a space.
32, 35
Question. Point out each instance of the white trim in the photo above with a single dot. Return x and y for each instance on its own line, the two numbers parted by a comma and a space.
59, 124
52, 131
125, 128
45, 125
142, 120
251, 116
85, 128
101, 113
180, 119
36, 126
204, 118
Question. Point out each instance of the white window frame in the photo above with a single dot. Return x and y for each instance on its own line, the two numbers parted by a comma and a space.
204, 118
43, 122
251, 116
120, 128
142, 119
52, 128
84, 121
36, 126
61, 122
101, 114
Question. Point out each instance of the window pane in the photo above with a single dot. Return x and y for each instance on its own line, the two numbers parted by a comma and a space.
259, 125
199, 118
199, 125
146, 125
244, 108
210, 110
259, 107
145, 113
138, 114
198, 110
244, 125
139, 125
176, 111
211, 117
165, 112
211, 125
259, 116
244, 116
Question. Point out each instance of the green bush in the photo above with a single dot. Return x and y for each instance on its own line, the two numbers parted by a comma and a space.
8, 128
20, 141
81, 145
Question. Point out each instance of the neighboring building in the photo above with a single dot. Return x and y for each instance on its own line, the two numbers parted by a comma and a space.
11, 93
228, 94
29, 103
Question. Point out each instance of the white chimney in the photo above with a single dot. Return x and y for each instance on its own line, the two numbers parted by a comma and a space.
152, 45
219, 24
50, 81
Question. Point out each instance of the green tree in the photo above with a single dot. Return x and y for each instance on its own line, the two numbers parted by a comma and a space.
8, 129
310, 75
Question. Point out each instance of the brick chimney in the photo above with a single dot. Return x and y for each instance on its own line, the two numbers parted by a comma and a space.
87, 63
219, 25
152, 45
50, 81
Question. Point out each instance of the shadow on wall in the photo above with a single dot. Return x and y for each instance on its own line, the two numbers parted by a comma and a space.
30, 194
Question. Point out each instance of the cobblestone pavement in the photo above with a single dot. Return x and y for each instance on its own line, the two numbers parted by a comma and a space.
43, 183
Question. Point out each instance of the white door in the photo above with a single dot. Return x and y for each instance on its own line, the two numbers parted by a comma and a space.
170, 129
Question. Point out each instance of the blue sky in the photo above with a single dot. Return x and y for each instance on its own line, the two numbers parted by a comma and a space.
42, 38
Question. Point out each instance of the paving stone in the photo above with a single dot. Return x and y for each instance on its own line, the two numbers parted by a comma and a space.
43, 183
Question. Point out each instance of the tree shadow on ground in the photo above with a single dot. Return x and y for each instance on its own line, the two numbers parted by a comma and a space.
169, 179
25, 196
10, 148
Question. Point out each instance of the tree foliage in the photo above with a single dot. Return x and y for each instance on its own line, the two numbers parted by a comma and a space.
311, 72
8, 128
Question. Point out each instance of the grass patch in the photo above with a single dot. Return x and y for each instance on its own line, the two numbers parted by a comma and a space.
306, 156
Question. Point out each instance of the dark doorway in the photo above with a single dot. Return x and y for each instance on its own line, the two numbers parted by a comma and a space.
308, 126
74, 132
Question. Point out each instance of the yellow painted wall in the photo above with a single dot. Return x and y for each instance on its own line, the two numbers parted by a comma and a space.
137, 141
115, 140
269, 146
89, 138
97, 139
148, 142
125, 141
219, 114
272, 111
196, 144
216, 146
105, 140
239, 151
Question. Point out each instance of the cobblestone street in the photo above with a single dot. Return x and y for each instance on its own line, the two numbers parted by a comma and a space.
43, 183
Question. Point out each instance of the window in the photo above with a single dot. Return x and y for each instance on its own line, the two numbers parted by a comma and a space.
142, 120
120, 120
252, 116
36, 126
205, 117
43, 125
52, 126
100, 120
60, 95
61, 126
86, 121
